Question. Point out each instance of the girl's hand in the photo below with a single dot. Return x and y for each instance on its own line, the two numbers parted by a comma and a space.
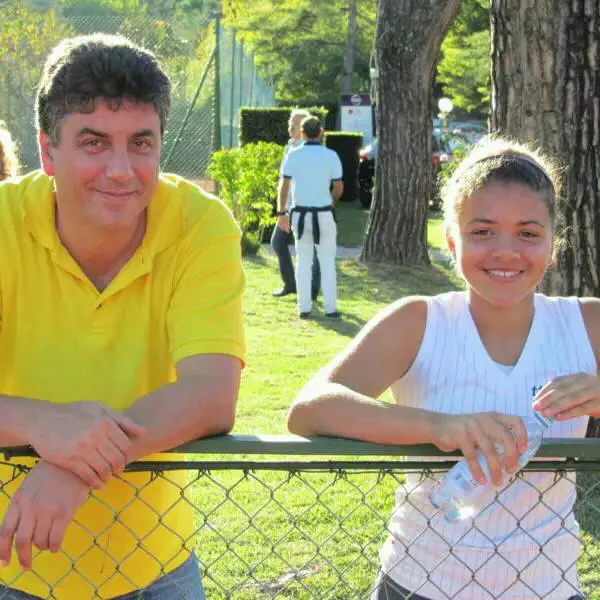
481, 433
569, 396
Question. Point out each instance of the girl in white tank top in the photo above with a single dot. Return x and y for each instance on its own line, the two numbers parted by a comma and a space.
464, 367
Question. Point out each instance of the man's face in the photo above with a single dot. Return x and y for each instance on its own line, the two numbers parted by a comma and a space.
106, 165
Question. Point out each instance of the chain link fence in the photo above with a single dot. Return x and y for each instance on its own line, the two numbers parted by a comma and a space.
297, 528
212, 74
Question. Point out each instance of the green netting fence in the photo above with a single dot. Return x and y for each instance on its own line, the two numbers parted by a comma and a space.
211, 71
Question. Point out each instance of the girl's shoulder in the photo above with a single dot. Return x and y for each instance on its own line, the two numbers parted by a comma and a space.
589, 308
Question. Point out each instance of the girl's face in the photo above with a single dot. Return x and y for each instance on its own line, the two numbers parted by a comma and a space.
502, 243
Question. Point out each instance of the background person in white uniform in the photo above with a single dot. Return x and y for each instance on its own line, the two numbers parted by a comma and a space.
281, 240
314, 174
463, 368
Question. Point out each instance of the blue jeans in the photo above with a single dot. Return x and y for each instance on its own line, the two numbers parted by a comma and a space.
183, 583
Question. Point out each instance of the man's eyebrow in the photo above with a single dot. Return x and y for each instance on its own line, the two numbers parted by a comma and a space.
102, 134
90, 131
144, 133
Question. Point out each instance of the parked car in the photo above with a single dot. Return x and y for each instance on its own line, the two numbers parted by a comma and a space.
442, 146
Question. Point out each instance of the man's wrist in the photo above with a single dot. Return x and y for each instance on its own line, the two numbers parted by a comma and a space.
282, 213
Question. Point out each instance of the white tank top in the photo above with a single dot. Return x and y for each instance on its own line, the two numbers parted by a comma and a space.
453, 373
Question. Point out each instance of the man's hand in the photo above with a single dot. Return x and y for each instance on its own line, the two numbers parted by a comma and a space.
86, 438
40, 511
283, 222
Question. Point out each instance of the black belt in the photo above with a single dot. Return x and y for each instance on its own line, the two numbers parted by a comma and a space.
302, 210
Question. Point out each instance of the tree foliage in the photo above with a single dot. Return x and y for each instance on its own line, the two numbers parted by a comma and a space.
300, 43
464, 69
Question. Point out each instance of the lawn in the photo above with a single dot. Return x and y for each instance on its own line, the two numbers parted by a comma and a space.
298, 535
352, 223
305, 535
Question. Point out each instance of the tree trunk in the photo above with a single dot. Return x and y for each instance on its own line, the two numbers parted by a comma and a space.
349, 53
408, 35
546, 89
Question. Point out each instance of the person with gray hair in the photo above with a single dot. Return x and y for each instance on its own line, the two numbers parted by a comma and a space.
313, 173
281, 239
9, 164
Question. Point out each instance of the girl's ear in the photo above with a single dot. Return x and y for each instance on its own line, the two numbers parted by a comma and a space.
451, 243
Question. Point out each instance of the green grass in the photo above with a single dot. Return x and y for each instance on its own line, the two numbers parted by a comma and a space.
352, 224
436, 232
279, 524
265, 534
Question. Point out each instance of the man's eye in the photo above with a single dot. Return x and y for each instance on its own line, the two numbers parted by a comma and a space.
143, 145
93, 144
481, 232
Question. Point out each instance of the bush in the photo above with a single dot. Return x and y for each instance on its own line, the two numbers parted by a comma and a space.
248, 178
346, 144
270, 124
445, 172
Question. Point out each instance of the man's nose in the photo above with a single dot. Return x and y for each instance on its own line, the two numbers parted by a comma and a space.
119, 165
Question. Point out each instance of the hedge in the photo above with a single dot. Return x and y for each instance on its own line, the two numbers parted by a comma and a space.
346, 144
270, 124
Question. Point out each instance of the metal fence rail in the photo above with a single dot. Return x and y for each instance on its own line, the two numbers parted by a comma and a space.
270, 522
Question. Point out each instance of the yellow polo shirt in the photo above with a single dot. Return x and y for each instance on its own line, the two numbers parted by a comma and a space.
62, 340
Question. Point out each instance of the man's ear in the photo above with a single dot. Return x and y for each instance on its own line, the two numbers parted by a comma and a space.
46, 150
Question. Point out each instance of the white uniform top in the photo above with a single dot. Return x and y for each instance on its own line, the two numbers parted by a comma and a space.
312, 168
453, 373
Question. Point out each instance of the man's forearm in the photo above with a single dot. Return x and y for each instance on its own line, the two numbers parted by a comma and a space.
283, 191
16, 415
179, 412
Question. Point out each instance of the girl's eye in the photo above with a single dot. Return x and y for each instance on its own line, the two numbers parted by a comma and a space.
529, 234
481, 232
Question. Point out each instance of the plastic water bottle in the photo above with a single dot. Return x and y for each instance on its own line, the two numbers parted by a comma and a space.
458, 493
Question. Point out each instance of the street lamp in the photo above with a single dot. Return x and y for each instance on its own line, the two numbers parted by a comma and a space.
445, 105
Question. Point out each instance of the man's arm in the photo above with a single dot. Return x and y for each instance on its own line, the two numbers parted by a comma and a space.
337, 190
283, 191
283, 220
200, 403
86, 438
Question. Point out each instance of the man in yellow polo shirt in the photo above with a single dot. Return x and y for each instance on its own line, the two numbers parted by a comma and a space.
120, 336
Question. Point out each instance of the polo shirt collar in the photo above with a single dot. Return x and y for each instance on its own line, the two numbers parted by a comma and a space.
165, 215
312, 143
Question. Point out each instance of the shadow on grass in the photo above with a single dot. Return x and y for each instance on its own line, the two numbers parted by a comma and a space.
387, 283
259, 259
348, 325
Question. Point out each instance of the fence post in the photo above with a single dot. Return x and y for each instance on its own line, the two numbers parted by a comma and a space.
232, 93
217, 128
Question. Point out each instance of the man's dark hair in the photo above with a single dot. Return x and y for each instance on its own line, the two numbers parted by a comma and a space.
82, 69
311, 127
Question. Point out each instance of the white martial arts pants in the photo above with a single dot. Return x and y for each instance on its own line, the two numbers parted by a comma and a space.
326, 250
